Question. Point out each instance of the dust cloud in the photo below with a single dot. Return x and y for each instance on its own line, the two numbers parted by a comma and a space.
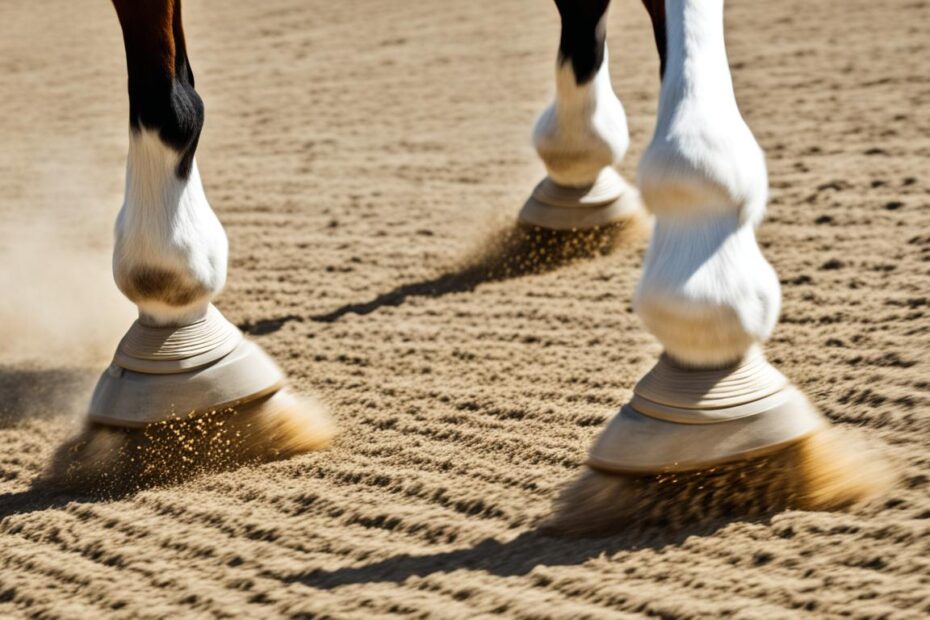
60, 307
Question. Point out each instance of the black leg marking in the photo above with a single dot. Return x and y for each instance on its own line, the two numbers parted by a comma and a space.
656, 10
161, 83
583, 36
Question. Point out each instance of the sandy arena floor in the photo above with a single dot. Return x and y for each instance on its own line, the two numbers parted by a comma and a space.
359, 153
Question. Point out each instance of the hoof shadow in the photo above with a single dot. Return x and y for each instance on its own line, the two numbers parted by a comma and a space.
40, 498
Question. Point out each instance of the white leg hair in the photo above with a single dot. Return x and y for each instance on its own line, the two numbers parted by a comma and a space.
706, 292
584, 130
171, 250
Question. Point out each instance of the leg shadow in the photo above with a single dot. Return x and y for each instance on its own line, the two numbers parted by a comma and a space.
504, 559
42, 394
40, 498
515, 251
267, 326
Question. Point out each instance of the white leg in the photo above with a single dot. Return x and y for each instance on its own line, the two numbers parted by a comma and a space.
171, 250
583, 134
584, 130
706, 291
186, 392
181, 356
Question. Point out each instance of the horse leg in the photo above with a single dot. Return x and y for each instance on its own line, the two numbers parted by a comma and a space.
170, 248
186, 391
583, 134
713, 429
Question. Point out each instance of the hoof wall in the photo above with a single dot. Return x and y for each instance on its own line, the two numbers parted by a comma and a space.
128, 398
609, 200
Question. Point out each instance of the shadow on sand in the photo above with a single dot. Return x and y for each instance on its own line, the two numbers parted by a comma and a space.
41, 497
267, 326
504, 559
43, 394
30, 393
512, 252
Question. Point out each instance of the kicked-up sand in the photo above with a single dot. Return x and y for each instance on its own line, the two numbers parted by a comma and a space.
367, 158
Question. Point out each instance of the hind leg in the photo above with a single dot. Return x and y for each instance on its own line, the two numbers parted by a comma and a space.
583, 134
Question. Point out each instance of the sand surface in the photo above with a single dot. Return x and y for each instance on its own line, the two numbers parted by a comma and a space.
358, 153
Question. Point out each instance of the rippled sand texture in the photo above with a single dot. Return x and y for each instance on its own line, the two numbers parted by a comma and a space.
365, 158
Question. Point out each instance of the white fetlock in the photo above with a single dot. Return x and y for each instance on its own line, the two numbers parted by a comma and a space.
580, 137
181, 358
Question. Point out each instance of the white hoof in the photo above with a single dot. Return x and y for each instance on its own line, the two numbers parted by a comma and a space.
160, 373
609, 200
682, 419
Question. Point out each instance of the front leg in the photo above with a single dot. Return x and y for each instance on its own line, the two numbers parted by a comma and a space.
713, 430
170, 249
186, 391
